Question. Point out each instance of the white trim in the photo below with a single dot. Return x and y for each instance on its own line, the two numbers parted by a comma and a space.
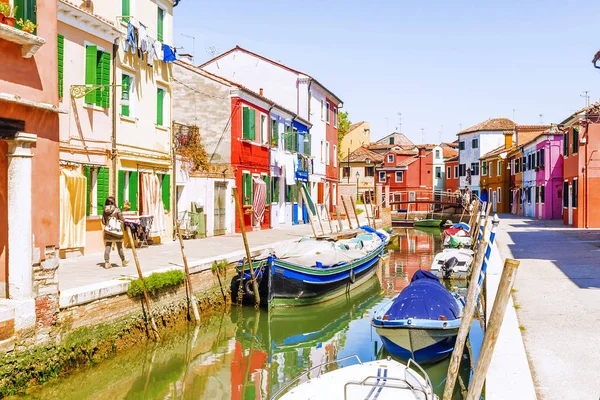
11, 98
93, 107
390, 158
396, 177
87, 22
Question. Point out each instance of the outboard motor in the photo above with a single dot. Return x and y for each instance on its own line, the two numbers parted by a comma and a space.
448, 266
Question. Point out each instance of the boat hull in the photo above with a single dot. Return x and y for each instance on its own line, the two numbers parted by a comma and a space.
430, 223
425, 346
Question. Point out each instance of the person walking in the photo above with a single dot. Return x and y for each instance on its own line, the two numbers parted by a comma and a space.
112, 219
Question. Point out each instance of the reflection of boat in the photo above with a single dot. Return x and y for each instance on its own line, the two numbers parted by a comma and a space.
311, 271
422, 321
428, 222
401, 222
452, 263
432, 230
381, 379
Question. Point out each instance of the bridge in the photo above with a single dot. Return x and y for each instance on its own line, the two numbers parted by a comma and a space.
422, 200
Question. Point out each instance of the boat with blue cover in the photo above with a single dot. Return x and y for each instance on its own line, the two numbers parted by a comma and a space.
310, 271
421, 322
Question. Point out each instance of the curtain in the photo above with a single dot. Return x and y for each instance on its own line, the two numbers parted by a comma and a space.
151, 202
72, 208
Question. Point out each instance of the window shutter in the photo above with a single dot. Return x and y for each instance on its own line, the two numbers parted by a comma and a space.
575, 193
101, 189
566, 145
133, 190
160, 24
61, 63
121, 190
88, 190
252, 122
103, 78
166, 191
575, 140
274, 132
159, 107
307, 149
125, 9
565, 194
267, 181
91, 55
245, 122
125, 82
275, 191
26, 9
246, 189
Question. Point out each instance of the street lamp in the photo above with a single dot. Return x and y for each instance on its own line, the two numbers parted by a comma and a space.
357, 176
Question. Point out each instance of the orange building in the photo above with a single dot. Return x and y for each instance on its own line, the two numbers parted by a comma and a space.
581, 168
495, 176
29, 152
451, 166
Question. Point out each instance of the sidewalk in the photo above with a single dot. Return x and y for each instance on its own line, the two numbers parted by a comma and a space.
558, 300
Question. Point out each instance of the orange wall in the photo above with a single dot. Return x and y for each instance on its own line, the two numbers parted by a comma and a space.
451, 183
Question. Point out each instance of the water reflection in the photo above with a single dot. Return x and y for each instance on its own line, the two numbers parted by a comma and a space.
248, 354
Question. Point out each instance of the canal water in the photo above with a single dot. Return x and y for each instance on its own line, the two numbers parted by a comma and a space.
247, 354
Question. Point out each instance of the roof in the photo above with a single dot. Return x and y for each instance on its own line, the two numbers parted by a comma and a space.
592, 109
399, 139
449, 152
361, 154
243, 88
496, 152
98, 17
239, 48
407, 162
450, 144
453, 159
354, 126
527, 133
493, 124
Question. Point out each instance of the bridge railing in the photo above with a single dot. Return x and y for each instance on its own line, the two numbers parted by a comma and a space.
423, 200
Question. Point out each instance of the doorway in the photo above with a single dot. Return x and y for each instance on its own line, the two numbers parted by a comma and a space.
220, 208
570, 208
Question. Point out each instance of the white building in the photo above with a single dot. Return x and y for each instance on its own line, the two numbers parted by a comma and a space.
476, 141
439, 177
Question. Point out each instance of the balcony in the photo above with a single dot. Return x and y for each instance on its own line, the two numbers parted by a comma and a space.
29, 43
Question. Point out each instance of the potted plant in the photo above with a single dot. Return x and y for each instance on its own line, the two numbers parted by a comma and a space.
27, 26
9, 14
3, 11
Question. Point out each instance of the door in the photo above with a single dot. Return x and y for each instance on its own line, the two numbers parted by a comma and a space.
495, 200
570, 197
220, 208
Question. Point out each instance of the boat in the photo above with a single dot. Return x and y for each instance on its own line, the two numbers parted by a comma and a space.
421, 322
452, 263
381, 379
458, 241
310, 271
428, 222
402, 223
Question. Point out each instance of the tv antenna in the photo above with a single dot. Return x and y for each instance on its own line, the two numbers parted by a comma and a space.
212, 51
400, 122
422, 136
193, 44
587, 97
542, 118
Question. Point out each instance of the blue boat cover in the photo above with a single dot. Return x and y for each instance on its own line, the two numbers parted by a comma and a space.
462, 225
424, 298
367, 228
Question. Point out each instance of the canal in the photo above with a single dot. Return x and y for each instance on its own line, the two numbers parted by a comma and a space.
245, 354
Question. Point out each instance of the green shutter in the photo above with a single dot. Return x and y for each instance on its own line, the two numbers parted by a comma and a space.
246, 189
133, 190
125, 95
88, 190
245, 122
91, 55
159, 24
101, 189
252, 130
307, 148
103, 78
275, 190
125, 9
274, 132
26, 10
166, 191
121, 190
159, 106
61, 63
267, 181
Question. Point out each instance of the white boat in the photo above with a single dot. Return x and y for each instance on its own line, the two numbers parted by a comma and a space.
382, 379
457, 241
452, 263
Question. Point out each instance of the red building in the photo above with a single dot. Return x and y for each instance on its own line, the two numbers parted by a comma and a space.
581, 168
331, 167
451, 174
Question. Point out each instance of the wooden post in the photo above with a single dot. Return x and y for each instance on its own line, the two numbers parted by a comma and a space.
319, 218
245, 239
355, 213
310, 216
329, 221
139, 271
366, 212
347, 214
187, 277
373, 207
339, 220
465, 324
507, 281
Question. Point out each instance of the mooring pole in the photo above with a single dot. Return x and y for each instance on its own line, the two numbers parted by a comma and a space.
347, 214
319, 218
310, 215
188, 278
139, 271
339, 220
329, 221
246, 247
490, 338
355, 213
465, 325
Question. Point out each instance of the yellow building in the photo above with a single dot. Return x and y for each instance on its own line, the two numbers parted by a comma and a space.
358, 134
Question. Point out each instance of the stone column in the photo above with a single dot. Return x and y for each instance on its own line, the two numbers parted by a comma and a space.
20, 270
387, 196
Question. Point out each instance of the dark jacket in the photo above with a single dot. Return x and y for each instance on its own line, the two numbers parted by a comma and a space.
110, 211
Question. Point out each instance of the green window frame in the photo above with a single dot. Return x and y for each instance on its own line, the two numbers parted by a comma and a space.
97, 72
91, 54
101, 189
61, 63
166, 191
131, 177
274, 132
125, 9
248, 123
160, 22
160, 99
575, 140
267, 180
275, 189
26, 10
125, 82
246, 189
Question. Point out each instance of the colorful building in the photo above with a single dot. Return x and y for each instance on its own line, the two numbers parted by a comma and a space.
451, 178
581, 168
359, 167
358, 134
495, 176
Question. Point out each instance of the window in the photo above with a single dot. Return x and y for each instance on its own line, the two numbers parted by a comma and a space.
475, 169
322, 150
381, 176
491, 169
542, 194
529, 195
575, 194
461, 145
461, 170
391, 140
365, 132
565, 194
345, 172
291, 193
575, 140
437, 154
489, 195
448, 170
455, 172
475, 143
327, 117
322, 111
390, 158
411, 196
275, 189
484, 168
335, 116
334, 194
127, 95
307, 143
369, 172
97, 189
267, 180
160, 100
327, 155
498, 167
399, 176
160, 22
566, 145
165, 187
246, 189
335, 155
97, 72
26, 10
438, 172
274, 132
61, 63
263, 129
499, 195
542, 158
128, 189
248, 123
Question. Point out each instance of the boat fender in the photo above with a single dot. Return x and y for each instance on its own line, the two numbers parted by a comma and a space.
352, 276
248, 287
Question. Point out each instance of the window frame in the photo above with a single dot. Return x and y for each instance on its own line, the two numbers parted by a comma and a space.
130, 102
163, 90
335, 156
499, 199
369, 171
401, 176
327, 111
475, 143
499, 168
448, 172
456, 172
380, 174
327, 155
335, 117
461, 145
438, 172
390, 158
162, 21
322, 111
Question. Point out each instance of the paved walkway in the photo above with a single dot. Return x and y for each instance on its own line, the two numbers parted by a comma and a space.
558, 300
89, 269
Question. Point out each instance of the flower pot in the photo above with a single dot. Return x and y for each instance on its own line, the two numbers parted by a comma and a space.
1, 18
27, 30
10, 21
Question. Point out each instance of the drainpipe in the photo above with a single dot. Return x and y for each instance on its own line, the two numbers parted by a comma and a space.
113, 140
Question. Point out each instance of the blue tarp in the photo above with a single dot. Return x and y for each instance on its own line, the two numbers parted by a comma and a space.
367, 228
424, 298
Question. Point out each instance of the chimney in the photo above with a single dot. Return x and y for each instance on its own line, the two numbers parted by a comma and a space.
260, 91
508, 139
186, 57
422, 151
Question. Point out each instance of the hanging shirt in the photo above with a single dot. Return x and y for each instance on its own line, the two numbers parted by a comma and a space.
130, 39
170, 54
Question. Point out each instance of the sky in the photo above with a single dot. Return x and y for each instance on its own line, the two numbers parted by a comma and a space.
444, 65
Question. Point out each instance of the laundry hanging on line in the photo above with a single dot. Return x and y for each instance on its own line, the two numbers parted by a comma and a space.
139, 42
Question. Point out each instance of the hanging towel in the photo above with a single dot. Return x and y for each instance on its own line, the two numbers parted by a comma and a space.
143, 41
170, 54
260, 198
290, 177
158, 50
72, 209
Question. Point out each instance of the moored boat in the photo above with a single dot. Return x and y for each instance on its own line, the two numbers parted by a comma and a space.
452, 263
428, 222
421, 322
